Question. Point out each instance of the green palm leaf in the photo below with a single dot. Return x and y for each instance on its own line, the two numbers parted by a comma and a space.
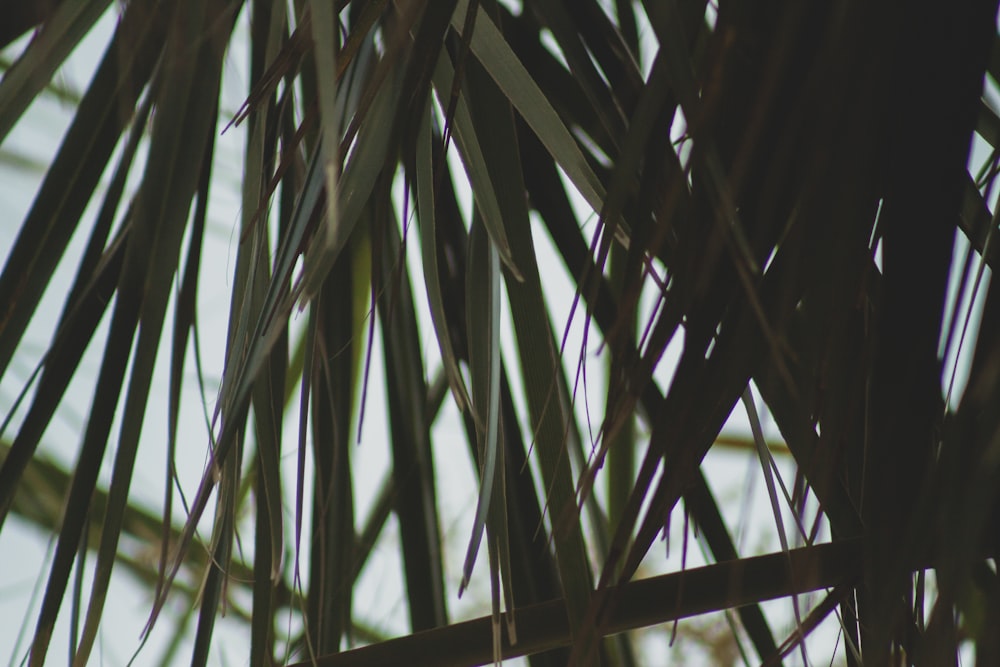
437, 217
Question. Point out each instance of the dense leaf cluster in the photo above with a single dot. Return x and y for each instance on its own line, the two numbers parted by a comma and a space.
790, 184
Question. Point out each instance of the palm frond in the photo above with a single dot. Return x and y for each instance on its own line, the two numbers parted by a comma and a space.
770, 198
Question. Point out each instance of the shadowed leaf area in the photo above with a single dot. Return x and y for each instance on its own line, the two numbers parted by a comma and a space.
551, 332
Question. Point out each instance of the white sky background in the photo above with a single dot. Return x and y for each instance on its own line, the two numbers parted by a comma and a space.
379, 597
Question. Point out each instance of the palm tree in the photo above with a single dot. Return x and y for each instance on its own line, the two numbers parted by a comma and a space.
781, 191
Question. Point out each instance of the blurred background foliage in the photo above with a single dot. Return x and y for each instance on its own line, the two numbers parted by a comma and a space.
570, 255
